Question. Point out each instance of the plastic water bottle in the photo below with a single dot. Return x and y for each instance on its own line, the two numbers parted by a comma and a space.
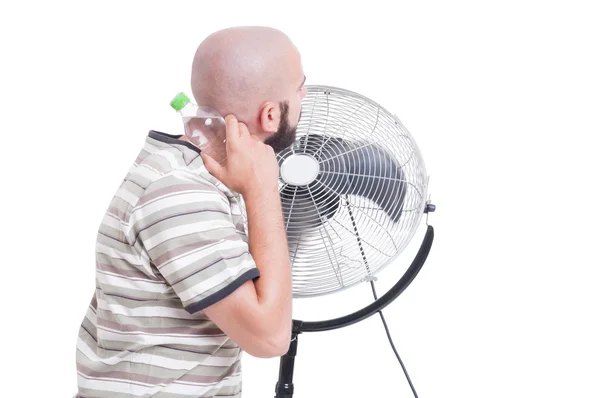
203, 126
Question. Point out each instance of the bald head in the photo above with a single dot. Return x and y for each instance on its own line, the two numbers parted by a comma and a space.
242, 70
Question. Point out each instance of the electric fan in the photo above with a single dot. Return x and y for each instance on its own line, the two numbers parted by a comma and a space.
353, 188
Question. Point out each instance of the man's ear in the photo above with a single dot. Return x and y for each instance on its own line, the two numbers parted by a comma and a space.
270, 115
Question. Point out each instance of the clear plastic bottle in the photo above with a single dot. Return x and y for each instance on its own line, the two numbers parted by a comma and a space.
203, 126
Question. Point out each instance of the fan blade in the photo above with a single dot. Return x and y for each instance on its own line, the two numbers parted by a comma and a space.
364, 169
301, 209
346, 168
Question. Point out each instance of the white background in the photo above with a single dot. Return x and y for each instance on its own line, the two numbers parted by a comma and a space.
503, 99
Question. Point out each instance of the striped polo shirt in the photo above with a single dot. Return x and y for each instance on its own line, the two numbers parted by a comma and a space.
171, 243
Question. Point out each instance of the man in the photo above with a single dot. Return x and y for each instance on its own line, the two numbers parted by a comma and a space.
181, 291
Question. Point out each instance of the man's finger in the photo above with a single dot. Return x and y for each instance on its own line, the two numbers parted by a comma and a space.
243, 129
232, 133
212, 165
232, 130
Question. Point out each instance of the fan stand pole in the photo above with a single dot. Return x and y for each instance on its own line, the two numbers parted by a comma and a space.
285, 387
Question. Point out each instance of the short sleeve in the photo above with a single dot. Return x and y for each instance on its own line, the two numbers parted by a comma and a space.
186, 228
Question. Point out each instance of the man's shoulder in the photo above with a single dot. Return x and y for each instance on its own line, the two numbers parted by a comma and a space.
180, 185
166, 166
173, 175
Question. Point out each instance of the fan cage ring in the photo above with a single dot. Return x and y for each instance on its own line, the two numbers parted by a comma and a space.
359, 210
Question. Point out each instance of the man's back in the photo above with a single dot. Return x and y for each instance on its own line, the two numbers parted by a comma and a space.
172, 243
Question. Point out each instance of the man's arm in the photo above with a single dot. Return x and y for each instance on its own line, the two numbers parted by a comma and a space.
185, 227
258, 316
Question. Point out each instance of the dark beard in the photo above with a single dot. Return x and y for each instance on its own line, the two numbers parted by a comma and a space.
285, 135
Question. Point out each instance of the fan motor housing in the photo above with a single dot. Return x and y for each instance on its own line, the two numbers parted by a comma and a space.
299, 169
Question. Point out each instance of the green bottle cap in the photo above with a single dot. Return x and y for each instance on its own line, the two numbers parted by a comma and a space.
179, 101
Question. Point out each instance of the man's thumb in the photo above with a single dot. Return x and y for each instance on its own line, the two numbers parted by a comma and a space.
212, 165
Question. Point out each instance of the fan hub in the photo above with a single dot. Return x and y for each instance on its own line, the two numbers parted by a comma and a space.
299, 169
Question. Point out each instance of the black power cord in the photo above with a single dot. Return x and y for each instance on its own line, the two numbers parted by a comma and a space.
387, 331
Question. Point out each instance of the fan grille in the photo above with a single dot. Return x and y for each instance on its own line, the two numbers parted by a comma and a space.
366, 201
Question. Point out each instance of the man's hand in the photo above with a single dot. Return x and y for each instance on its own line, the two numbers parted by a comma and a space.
251, 165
